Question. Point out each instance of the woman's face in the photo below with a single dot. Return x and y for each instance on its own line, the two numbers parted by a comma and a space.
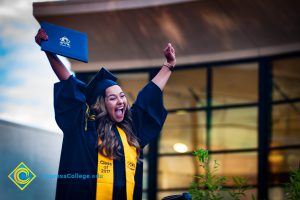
115, 103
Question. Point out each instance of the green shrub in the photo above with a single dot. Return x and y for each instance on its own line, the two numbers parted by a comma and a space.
209, 186
292, 189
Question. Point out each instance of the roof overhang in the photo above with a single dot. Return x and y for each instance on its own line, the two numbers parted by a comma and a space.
127, 34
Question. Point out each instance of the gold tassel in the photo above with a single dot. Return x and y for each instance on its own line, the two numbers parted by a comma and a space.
88, 117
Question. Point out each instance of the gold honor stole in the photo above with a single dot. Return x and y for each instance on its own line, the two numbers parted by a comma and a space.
105, 171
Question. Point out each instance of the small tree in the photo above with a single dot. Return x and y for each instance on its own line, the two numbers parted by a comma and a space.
209, 186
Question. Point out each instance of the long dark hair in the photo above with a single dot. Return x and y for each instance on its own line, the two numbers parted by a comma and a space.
108, 144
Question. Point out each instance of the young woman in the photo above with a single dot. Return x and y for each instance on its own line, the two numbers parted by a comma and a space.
102, 151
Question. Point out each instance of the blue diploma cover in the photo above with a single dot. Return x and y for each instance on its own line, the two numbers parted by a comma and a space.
65, 42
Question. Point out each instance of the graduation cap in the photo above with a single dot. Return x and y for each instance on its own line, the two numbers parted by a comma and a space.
97, 86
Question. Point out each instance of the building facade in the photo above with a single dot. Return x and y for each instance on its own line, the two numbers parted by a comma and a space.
235, 90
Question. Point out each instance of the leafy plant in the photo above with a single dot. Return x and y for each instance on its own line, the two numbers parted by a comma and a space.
240, 188
292, 188
209, 181
209, 186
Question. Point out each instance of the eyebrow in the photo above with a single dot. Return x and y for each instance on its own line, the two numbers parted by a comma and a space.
115, 94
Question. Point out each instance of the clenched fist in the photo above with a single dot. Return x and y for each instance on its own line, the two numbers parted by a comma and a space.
41, 36
169, 53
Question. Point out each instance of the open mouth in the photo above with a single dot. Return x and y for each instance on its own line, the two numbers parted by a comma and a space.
119, 112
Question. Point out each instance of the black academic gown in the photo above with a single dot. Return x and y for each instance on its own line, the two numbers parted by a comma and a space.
79, 150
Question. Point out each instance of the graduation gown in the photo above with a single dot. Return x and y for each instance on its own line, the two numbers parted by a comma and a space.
79, 149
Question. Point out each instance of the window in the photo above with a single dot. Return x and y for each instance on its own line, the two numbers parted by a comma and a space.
217, 107
186, 89
235, 84
234, 129
187, 128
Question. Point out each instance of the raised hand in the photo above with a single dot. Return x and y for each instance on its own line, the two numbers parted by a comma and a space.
164, 73
41, 36
58, 67
169, 53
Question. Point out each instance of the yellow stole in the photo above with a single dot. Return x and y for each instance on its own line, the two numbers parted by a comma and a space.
105, 171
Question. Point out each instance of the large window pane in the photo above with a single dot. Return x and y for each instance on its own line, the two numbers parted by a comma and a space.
184, 128
234, 129
186, 89
286, 79
276, 193
132, 84
235, 84
176, 171
282, 162
285, 124
237, 164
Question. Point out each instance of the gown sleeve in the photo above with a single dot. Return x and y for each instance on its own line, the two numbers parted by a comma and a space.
69, 103
148, 113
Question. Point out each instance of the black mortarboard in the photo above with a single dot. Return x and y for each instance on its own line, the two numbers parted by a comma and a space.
97, 86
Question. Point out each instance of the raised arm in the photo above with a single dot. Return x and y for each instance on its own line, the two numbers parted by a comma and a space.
58, 67
164, 74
